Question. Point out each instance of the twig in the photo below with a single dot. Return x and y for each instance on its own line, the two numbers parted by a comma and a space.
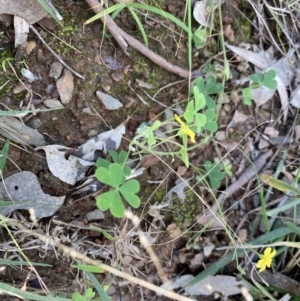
124, 39
76, 255
54, 54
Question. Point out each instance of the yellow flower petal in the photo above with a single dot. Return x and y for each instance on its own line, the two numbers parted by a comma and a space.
185, 129
266, 259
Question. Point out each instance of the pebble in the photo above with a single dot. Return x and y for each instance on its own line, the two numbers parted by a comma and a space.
56, 69
95, 215
53, 103
108, 101
65, 87
208, 249
220, 135
35, 123
92, 133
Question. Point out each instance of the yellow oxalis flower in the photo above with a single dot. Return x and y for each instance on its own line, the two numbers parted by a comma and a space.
266, 259
185, 129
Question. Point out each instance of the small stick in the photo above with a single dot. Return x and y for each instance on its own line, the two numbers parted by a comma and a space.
54, 54
124, 39
80, 256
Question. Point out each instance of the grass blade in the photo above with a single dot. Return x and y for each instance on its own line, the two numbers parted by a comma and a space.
49, 10
140, 25
105, 12
98, 287
3, 155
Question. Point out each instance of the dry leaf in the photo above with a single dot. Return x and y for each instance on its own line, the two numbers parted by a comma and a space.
229, 33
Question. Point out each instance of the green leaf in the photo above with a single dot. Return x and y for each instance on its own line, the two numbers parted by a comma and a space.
128, 190
139, 24
184, 156
215, 174
211, 126
200, 37
257, 77
189, 112
105, 12
89, 293
104, 200
151, 139
210, 114
199, 99
156, 125
200, 121
278, 184
3, 154
105, 233
212, 87
88, 268
111, 200
247, 96
269, 80
77, 297
117, 207
102, 163
126, 171
122, 157
113, 176
49, 10
114, 155
199, 82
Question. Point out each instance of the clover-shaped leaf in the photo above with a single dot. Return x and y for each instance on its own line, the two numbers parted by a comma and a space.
210, 125
113, 176
200, 121
210, 87
269, 80
215, 174
111, 200
129, 190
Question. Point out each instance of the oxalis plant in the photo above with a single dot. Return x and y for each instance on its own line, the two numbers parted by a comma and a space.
114, 174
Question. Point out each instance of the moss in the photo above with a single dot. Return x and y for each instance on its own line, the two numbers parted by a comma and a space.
183, 211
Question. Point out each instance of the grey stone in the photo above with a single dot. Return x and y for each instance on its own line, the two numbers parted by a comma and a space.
95, 215
108, 101
35, 123
53, 103
92, 133
56, 69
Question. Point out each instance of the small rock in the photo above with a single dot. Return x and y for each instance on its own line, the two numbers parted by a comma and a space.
31, 77
95, 215
87, 110
208, 249
108, 101
65, 86
35, 123
263, 143
30, 45
19, 88
56, 69
92, 133
53, 103
220, 135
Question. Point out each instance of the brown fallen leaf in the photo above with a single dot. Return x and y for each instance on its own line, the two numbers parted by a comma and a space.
229, 33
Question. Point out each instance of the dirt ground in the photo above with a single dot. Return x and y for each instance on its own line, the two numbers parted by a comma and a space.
106, 68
